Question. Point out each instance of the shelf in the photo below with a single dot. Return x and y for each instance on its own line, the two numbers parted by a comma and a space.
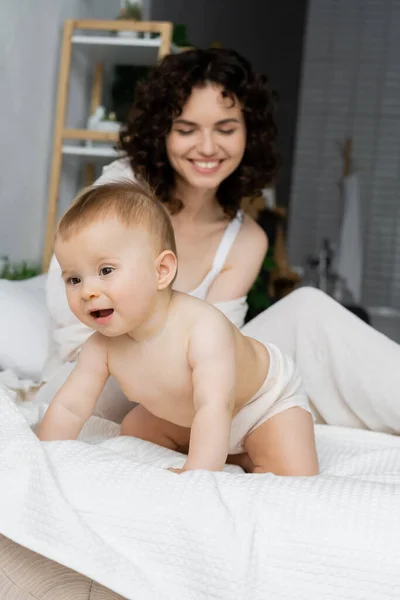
88, 134
91, 151
104, 43
115, 49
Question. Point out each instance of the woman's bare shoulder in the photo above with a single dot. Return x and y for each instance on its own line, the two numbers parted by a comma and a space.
251, 238
243, 263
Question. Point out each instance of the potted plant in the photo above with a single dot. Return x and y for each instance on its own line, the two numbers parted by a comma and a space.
17, 271
131, 11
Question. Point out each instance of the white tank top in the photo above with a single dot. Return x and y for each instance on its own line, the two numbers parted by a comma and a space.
220, 257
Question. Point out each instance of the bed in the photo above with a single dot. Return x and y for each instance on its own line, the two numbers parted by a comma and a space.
106, 508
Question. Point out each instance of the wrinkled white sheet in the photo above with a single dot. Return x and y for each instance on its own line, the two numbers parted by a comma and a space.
106, 507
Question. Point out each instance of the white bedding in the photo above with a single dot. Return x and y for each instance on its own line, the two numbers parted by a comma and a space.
109, 510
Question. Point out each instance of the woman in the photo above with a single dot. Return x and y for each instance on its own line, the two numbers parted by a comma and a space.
202, 132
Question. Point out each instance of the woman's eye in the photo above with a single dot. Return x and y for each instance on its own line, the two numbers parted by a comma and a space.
184, 131
226, 131
73, 280
106, 270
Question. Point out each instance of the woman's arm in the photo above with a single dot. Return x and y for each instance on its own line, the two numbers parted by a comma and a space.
243, 264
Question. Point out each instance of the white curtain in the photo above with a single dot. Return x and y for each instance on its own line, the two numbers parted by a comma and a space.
350, 249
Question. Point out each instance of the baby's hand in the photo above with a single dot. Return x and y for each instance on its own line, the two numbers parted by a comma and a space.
178, 471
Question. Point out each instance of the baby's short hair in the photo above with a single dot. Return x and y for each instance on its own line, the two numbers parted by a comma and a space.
133, 204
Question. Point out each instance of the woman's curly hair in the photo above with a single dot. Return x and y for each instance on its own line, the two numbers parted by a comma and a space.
161, 98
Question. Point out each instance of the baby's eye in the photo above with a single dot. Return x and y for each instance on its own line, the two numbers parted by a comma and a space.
106, 270
73, 280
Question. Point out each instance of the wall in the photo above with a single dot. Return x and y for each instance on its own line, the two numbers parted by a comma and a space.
30, 34
350, 87
268, 33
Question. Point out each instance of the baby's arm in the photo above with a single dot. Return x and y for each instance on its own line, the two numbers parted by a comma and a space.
212, 356
74, 403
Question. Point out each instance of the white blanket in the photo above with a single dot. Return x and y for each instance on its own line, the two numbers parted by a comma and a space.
107, 508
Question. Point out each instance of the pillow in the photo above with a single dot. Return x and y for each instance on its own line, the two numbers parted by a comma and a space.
25, 327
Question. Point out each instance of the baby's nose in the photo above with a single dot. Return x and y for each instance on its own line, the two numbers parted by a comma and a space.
90, 291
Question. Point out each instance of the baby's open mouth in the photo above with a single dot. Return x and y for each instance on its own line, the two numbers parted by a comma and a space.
101, 314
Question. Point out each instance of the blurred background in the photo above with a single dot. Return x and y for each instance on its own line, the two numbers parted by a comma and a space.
333, 219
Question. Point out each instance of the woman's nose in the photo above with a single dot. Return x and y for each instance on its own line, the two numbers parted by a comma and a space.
207, 145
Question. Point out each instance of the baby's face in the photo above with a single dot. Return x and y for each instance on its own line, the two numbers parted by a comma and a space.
110, 276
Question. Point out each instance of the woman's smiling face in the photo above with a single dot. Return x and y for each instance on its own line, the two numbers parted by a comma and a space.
208, 139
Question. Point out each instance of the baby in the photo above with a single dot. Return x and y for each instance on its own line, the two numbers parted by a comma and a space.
201, 386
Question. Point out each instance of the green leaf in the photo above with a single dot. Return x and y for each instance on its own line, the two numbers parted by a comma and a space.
18, 271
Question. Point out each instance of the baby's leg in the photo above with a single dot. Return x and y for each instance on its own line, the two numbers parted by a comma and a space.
140, 423
241, 460
284, 445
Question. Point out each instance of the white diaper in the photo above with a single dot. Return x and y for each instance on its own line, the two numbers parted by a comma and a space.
282, 389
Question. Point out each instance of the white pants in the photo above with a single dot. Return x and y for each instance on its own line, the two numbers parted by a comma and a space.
351, 372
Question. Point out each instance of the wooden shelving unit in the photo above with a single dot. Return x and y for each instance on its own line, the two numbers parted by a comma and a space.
99, 40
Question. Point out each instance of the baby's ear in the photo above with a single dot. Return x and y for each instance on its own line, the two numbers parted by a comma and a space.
166, 265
